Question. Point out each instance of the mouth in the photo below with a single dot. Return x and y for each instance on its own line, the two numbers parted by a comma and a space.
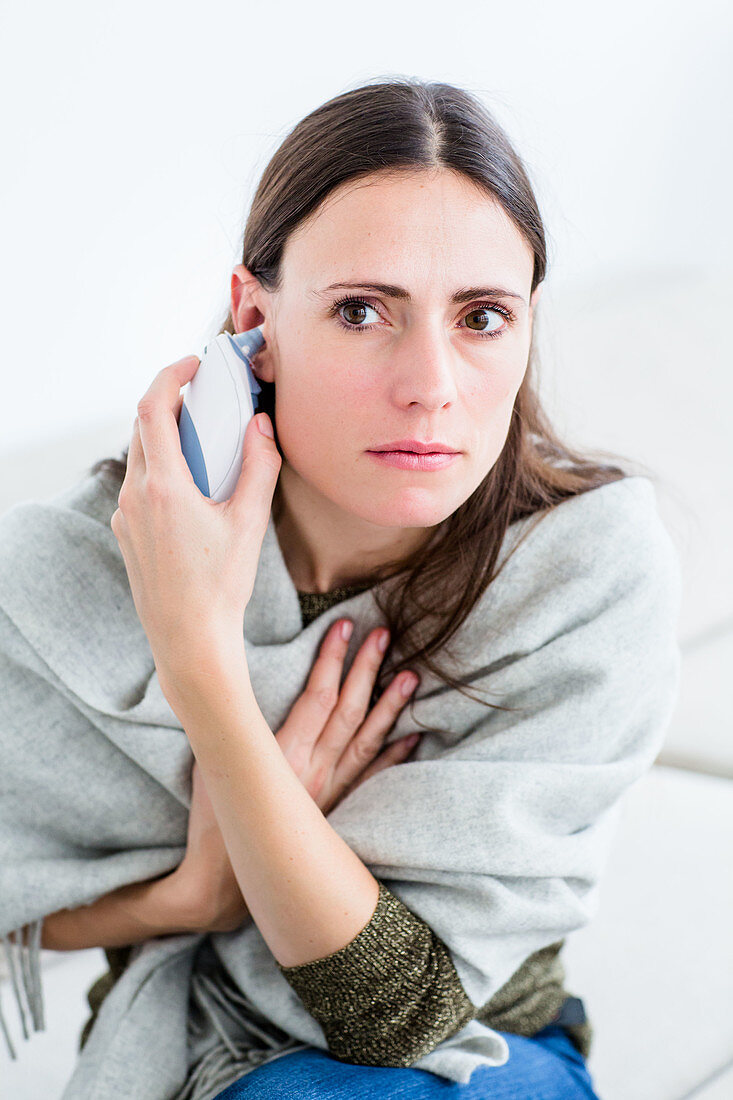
413, 460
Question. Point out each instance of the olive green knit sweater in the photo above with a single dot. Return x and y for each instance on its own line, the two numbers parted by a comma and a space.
397, 956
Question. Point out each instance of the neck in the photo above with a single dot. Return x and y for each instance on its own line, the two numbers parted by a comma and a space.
325, 548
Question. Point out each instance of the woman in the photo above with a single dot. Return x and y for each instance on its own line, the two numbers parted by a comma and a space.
398, 212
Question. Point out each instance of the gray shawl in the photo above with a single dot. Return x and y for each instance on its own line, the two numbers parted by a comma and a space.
496, 834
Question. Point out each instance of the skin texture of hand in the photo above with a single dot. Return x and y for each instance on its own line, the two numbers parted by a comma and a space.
191, 561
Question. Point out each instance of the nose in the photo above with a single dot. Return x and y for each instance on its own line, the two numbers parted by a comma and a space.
423, 368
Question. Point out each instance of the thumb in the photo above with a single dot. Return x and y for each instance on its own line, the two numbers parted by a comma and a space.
261, 462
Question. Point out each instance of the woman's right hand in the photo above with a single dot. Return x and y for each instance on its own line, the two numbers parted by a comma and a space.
329, 740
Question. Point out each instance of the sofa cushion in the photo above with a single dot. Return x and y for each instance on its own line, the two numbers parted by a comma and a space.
655, 965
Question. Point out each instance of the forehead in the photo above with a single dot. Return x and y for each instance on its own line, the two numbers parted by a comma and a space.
432, 229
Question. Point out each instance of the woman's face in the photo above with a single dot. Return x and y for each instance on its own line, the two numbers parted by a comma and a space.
399, 364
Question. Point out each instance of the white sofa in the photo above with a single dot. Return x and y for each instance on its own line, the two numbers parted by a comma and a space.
646, 377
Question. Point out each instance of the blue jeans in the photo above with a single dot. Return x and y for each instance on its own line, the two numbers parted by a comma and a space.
545, 1067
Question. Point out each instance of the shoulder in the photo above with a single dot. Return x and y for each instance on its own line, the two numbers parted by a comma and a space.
614, 531
86, 505
603, 557
579, 628
59, 556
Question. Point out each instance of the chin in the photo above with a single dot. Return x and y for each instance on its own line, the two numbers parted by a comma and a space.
412, 508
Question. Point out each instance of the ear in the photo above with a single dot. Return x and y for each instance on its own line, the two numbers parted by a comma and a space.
246, 314
245, 292
535, 295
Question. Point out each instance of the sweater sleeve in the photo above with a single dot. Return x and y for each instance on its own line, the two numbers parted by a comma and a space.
390, 995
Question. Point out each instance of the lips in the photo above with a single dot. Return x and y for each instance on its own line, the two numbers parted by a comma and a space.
415, 446
409, 460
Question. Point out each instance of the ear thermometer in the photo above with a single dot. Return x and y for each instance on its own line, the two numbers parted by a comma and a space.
218, 404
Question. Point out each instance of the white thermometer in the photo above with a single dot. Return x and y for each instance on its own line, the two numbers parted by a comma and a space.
218, 404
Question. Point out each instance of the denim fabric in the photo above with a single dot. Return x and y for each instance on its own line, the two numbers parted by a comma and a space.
545, 1067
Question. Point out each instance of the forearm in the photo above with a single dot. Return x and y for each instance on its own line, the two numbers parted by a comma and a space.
130, 914
307, 891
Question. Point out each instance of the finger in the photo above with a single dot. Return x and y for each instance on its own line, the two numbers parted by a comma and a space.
349, 703
135, 454
356, 692
157, 423
321, 691
370, 736
393, 754
261, 463
314, 706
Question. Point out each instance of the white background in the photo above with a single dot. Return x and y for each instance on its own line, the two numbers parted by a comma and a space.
135, 133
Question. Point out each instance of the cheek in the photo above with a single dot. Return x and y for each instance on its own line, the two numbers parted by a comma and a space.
321, 407
494, 388
330, 386
489, 408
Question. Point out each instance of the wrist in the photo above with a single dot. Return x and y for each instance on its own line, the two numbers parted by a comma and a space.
205, 668
174, 904
130, 914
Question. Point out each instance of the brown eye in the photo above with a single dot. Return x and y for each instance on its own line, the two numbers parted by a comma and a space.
481, 314
352, 310
356, 308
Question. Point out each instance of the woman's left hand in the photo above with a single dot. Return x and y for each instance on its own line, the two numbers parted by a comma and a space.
191, 561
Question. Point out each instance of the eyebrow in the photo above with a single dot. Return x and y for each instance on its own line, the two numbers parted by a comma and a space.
465, 294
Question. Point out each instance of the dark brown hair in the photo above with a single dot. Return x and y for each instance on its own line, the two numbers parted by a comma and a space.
393, 126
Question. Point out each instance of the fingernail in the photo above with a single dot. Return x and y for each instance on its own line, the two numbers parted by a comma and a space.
383, 641
265, 425
408, 684
346, 629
